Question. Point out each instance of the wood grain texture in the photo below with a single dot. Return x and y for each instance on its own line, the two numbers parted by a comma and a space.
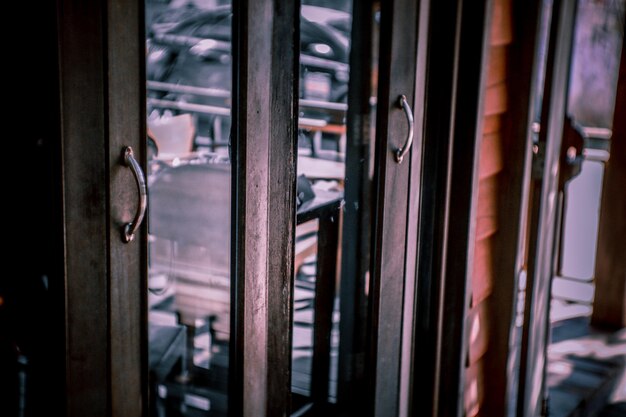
492, 164
398, 39
491, 155
501, 25
264, 143
507, 246
483, 271
480, 320
81, 63
496, 100
128, 362
497, 64
492, 124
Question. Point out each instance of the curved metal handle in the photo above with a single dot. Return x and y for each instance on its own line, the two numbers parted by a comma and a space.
401, 152
128, 233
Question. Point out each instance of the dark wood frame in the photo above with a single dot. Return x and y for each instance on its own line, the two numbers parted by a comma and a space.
396, 69
265, 99
456, 73
101, 66
101, 50
523, 82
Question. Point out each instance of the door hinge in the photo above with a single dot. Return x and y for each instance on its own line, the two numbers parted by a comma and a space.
539, 159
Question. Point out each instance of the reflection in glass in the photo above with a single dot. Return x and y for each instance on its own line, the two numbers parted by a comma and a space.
188, 71
325, 32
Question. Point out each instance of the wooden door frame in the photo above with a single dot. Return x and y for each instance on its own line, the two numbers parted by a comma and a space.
102, 93
265, 103
390, 187
455, 76
102, 102
523, 72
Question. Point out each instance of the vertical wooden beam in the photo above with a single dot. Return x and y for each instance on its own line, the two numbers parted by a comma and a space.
265, 49
82, 84
456, 76
398, 42
469, 97
438, 105
609, 307
125, 124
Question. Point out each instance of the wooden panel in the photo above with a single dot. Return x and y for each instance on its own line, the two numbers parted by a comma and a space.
475, 393
85, 206
492, 124
454, 109
396, 77
483, 270
479, 324
128, 261
609, 307
491, 155
470, 108
486, 226
488, 193
496, 99
264, 144
508, 242
497, 65
502, 24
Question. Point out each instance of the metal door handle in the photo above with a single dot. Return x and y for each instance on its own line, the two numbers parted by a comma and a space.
130, 228
401, 152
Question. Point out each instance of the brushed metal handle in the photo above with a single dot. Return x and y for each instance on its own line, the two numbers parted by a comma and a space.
400, 153
128, 233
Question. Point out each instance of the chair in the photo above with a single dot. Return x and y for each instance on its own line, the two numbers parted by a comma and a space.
189, 227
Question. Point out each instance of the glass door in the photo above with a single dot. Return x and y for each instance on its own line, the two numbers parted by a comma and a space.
188, 107
225, 300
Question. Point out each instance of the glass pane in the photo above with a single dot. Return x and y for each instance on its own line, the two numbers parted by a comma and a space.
188, 71
334, 172
325, 29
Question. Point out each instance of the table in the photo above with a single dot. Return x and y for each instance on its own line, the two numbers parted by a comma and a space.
321, 169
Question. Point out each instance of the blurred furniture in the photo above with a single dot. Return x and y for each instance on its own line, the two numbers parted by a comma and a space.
189, 224
167, 349
321, 169
189, 227
173, 134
